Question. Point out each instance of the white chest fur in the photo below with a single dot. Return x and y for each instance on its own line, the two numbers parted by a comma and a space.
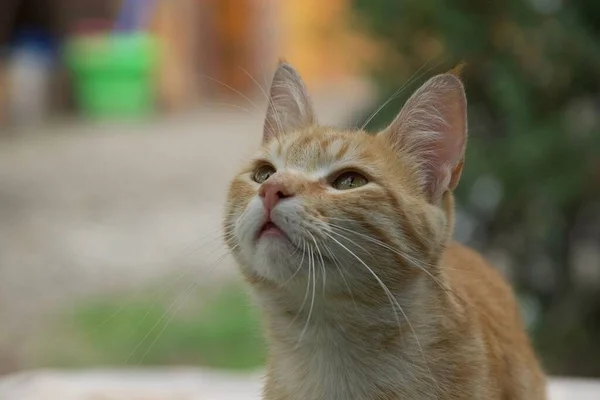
327, 360
327, 366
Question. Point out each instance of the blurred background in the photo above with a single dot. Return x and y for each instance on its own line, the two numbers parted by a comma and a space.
121, 123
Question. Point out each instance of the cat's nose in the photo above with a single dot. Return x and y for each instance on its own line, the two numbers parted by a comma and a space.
272, 191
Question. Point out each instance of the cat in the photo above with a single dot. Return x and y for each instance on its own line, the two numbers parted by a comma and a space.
344, 238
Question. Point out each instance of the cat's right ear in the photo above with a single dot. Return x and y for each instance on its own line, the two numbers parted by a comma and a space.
290, 108
431, 130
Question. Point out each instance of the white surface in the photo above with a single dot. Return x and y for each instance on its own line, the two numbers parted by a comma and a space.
165, 384
574, 389
185, 384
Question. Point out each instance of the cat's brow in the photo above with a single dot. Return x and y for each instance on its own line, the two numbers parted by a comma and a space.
319, 153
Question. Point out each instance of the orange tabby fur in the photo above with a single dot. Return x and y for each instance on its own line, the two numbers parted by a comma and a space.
365, 296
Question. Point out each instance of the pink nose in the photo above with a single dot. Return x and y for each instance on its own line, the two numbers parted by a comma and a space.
272, 192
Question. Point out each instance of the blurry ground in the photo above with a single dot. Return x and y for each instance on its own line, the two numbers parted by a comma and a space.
91, 208
185, 384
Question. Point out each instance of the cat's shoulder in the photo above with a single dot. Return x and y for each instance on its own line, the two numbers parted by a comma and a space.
459, 256
491, 309
470, 273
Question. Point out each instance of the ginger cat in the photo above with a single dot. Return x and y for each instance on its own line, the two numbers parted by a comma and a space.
345, 240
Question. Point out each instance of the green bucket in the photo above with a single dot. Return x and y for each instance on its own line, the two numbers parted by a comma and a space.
114, 74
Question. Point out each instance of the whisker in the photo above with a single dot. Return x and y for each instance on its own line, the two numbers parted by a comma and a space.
232, 89
342, 274
388, 293
186, 293
299, 266
191, 249
238, 219
312, 302
321, 257
256, 82
269, 100
189, 287
394, 95
307, 289
392, 299
413, 261
296, 248
249, 112
161, 291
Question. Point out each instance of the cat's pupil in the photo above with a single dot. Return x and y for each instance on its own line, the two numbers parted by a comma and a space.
349, 180
263, 173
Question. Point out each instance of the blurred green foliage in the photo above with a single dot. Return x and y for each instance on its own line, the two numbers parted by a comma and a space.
219, 330
533, 85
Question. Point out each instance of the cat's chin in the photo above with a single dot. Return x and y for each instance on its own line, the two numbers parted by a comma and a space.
275, 258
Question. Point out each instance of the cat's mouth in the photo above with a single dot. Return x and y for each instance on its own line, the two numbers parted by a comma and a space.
270, 229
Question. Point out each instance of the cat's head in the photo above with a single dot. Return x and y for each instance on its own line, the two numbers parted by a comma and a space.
347, 204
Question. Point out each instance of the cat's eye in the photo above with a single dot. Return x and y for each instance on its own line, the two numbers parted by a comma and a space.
349, 180
263, 173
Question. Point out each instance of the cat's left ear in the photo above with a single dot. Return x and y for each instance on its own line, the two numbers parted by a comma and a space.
431, 131
290, 108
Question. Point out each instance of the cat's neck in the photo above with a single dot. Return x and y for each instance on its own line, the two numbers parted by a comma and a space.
348, 342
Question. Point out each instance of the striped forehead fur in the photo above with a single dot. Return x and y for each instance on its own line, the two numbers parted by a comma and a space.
314, 148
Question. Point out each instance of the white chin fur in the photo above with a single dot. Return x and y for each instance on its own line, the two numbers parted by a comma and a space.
274, 258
